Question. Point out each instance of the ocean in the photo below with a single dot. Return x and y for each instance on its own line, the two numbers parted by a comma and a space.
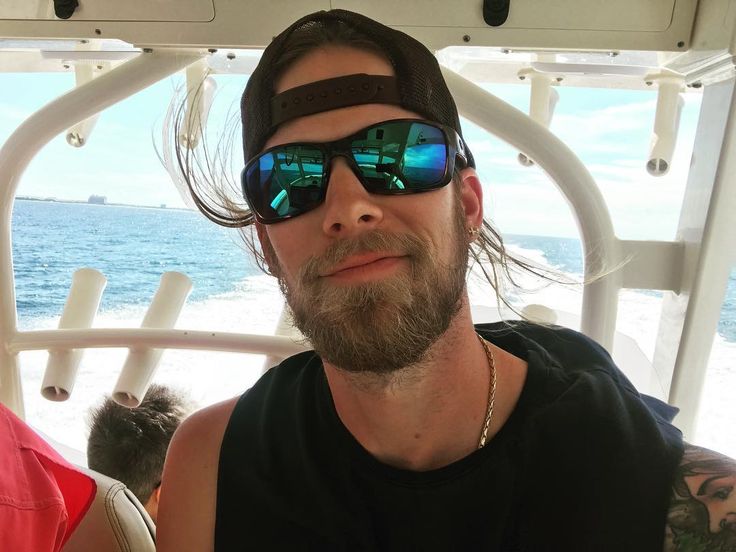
133, 246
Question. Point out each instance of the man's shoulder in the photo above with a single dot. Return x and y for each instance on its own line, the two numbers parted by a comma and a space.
559, 352
546, 335
572, 353
572, 382
288, 376
555, 339
293, 365
203, 427
279, 394
188, 496
582, 425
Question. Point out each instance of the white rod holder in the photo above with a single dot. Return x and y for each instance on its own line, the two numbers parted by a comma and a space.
141, 363
200, 92
666, 124
78, 135
543, 99
79, 312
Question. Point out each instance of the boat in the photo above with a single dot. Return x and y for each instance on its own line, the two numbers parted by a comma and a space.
671, 48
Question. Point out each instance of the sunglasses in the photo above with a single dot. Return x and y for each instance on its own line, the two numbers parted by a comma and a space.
401, 156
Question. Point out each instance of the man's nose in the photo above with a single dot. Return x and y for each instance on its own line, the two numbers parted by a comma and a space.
349, 208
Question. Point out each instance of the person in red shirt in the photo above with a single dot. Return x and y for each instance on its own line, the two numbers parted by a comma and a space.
42, 496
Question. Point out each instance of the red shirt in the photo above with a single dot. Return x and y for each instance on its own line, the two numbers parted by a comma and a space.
42, 496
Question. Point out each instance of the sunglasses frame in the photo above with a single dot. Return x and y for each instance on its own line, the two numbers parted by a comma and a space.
455, 147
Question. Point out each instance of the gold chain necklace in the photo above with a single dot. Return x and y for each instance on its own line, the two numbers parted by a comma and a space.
491, 391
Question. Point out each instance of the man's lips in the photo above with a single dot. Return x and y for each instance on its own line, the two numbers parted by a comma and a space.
355, 263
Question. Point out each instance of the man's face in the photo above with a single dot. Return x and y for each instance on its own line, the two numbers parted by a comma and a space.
371, 280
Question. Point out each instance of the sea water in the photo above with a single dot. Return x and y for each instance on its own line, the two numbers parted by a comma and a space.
134, 246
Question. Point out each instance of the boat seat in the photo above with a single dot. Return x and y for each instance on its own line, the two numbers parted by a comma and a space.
115, 522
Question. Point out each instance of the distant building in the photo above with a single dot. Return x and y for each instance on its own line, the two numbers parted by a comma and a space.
97, 199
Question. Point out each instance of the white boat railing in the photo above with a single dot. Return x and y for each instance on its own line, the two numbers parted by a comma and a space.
600, 246
20, 148
153, 339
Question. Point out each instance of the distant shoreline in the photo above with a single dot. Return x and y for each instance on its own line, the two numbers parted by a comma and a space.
83, 202
164, 208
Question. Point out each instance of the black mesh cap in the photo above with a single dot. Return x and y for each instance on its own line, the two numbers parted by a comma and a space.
422, 88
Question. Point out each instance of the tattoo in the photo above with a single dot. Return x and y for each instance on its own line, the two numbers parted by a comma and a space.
702, 515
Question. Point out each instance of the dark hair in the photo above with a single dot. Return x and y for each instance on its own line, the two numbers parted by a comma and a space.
219, 197
129, 444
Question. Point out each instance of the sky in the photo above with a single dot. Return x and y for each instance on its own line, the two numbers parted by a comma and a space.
608, 129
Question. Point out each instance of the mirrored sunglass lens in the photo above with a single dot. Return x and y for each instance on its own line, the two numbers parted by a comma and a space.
401, 156
286, 181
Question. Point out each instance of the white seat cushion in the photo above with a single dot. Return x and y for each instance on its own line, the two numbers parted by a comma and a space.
115, 522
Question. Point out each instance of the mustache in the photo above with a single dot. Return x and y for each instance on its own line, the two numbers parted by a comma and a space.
375, 241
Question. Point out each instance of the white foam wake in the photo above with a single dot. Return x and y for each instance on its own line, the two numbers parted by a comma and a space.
254, 307
208, 377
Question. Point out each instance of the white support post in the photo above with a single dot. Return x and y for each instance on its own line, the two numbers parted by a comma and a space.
543, 99
84, 72
200, 93
666, 122
706, 228
17, 152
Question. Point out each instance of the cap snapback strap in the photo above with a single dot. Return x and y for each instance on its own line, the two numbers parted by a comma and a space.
334, 93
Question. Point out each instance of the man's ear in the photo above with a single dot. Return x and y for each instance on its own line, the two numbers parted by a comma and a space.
269, 254
471, 197
152, 505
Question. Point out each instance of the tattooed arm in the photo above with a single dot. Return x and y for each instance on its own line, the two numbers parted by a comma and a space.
702, 515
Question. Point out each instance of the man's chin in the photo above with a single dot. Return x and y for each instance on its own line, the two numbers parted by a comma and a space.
373, 362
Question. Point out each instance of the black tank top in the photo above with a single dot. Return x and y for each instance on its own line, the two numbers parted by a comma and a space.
584, 463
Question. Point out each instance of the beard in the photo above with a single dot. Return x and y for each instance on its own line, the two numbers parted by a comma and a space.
383, 326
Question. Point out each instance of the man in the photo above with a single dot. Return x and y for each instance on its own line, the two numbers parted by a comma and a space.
407, 428
129, 444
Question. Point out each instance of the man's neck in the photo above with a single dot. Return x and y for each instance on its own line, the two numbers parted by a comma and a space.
430, 414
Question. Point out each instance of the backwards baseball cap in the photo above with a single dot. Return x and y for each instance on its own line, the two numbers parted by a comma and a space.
418, 85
